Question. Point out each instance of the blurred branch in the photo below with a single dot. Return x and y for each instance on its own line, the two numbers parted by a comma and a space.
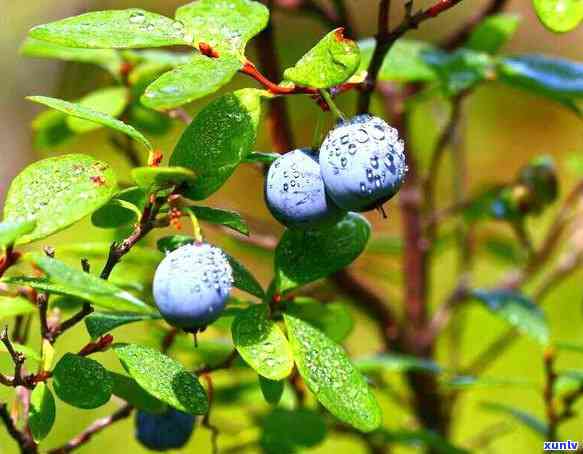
325, 15
344, 18
548, 393
26, 444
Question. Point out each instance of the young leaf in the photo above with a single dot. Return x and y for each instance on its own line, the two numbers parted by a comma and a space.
150, 178
331, 376
244, 280
57, 192
518, 310
493, 33
521, 416
100, 323
470, 382
163, 378
331, 62
10, 231
230, 219
127, 388
261, 158
13, 306
82, 382
291, 431
272, 390
85, 113
123, 29
559, 15
414, 438
42, 411
333, 319
298, 262
261, 343
111, 101
393, 362
403, 62
200, 77
218, 139
123, 209
225, 25
89, 287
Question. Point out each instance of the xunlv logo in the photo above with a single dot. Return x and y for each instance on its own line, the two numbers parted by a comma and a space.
561, 445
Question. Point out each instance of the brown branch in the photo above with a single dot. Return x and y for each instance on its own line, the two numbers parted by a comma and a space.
325, 15
9, 259
26, 444
548, 394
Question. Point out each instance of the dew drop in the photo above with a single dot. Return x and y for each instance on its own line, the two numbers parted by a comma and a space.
137, 18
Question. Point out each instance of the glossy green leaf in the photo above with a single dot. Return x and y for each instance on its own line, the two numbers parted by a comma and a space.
198, 78
148, 120
403, 62
13, 306
117, 212
261, 343
123, 29
106, 58
333, 319
218, 139
518, 310
163, 378
10, 231
230, 219
169, 243
272, 390
160, 57
111, 101
244, 280
82, 382
42, 411
127, 388
521, 416
85, 113
100, 323
493, 33
329, 63
51, 130
261, 158
89, 287
414, 438
290, 431
559, 15
154, 178
57, 192
394, 362
330, 375
226, 25
299, 262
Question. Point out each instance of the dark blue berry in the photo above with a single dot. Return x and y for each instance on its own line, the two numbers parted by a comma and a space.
161, 432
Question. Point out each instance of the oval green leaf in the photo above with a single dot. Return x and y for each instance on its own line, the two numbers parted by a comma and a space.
272, 390
127, 388
230, 219
261, 343
292, 431
57, 192
333, 319
123, 209
154, 178
82, 382
493, 33
330, 375
42, 412
100, 323
111, 101
163, 378
559, 15
10, 231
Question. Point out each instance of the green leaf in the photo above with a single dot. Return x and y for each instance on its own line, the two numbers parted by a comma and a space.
470, 382
393, 362
568, 381
333, 319
57, 192
111, 101
89, 287
155, 178
330, 375
10, 231
127, 388
261, 158
51, 130
290, 431
172, 242
272, 390
85, 113
329, 63
150, 121
218, 139
42, 411
403, 63
82, 382
518, 310
123, 209
521, 416
226, 25
559, 15
198, 78
159, 57
244, 280
493, 33
163, 378
123, 29
413, 438
298, 262
230, 219
106, 58
261, 343
569, 346
100, 323
13, 306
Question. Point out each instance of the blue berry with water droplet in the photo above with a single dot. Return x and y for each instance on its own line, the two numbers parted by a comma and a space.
162, 432
295, 193
192, 285
363, 163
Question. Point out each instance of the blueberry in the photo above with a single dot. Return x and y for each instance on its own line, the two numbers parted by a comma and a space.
161, 432
363, 163
192, 284
295, 193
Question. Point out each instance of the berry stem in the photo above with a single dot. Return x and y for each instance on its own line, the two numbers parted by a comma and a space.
195, 225
332, 105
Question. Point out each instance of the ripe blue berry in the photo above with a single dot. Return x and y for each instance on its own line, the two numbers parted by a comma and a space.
295, 193
363, 163
161, 432
191, 286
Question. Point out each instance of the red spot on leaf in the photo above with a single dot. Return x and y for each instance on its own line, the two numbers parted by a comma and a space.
98, 180
207, 49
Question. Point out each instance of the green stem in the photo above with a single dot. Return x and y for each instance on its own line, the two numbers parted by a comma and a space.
195, 226
332, 105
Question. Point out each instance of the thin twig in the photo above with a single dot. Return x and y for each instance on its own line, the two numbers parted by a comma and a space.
548, 394
225, 364
26, 445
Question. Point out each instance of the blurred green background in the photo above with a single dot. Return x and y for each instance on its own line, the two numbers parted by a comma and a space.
503, 129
